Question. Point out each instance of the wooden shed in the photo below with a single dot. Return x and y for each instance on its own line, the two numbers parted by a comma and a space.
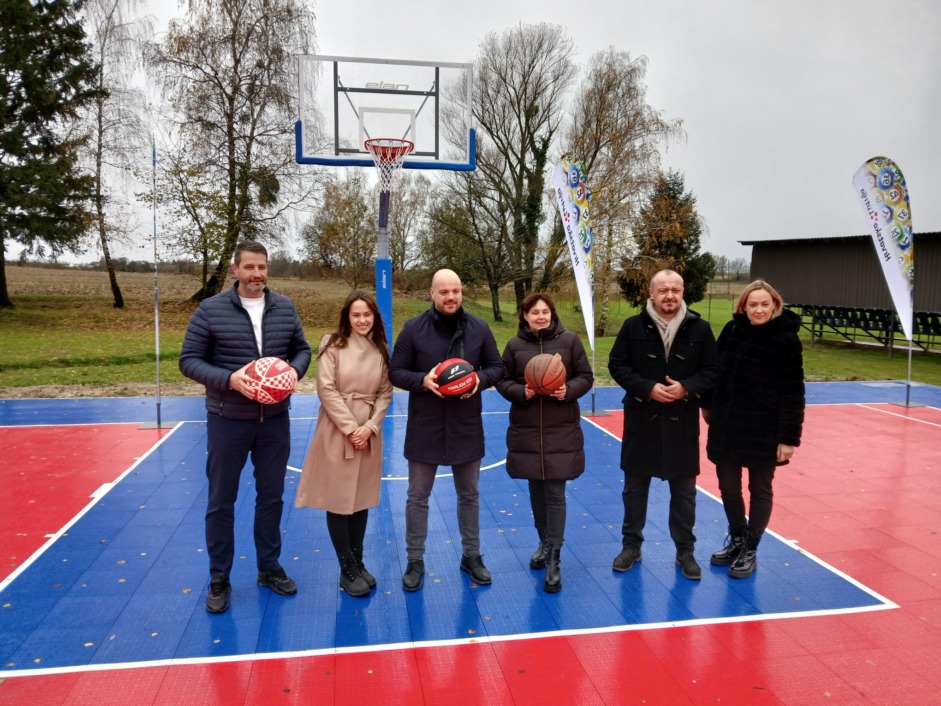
837, 285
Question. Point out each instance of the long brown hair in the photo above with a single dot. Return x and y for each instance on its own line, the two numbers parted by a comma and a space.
344, 329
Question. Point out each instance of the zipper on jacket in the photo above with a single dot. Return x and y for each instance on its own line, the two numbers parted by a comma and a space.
542, 446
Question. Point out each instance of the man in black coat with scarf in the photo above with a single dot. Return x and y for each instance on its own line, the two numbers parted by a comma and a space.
665, 358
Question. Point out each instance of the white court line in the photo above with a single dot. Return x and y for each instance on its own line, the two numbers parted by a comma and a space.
901, 416
792, 543
417, 644
885, 604
95, 497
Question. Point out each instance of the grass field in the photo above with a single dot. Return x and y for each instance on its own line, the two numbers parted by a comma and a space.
63, 337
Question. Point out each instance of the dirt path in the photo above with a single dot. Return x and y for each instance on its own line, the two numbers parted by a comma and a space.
129, 389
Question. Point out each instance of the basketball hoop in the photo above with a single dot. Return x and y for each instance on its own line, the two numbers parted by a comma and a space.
388, 154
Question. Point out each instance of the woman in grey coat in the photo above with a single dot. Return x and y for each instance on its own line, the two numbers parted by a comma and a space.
544, 440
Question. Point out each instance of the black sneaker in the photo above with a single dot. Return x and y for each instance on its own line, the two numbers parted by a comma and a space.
277, 581
219, 589
474, 565
625, 560
687, 562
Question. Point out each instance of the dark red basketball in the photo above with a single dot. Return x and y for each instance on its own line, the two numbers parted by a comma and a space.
545, 373
455, 378
271, 380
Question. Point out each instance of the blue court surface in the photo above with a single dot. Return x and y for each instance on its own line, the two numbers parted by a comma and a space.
127, 580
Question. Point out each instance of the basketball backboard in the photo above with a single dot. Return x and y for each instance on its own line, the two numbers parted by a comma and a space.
344, 101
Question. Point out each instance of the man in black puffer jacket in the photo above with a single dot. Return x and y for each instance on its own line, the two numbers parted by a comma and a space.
225, 335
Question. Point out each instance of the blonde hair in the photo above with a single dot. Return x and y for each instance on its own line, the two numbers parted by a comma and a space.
776, 298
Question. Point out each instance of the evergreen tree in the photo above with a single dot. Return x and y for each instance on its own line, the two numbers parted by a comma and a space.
668, 236
46, 76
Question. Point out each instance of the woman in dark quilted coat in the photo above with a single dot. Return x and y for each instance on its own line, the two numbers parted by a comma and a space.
544, 440
756, 416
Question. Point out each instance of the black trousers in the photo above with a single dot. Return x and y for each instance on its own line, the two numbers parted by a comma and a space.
547, 498
682, 511
231, 441
761, 496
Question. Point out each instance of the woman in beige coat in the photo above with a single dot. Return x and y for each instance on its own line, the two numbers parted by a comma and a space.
343, 467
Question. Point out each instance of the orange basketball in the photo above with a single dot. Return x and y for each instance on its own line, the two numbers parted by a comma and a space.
545, 373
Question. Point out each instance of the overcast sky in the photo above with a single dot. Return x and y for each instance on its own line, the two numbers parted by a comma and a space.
781, 102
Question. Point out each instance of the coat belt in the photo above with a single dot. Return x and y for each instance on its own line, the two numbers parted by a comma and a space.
348, 397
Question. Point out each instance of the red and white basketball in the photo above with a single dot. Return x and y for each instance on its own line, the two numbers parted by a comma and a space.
455, 378
272, 379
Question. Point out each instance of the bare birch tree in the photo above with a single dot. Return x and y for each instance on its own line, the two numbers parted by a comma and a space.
229, 71
408, 215
618, 139
522, 77
115, 121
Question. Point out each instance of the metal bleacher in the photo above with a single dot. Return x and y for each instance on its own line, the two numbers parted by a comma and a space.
863, 325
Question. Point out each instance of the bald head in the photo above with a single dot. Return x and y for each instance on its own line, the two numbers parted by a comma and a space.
447, 291
666, 293
665, 274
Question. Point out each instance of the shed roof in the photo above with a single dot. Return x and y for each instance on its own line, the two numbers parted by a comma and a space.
829, 238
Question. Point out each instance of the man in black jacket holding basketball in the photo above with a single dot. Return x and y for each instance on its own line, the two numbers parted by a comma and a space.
443, 431
225, 335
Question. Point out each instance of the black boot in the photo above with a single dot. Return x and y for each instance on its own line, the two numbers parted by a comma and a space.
538, 559
747, 560
350, 579
733, 545
370, 579
553, 582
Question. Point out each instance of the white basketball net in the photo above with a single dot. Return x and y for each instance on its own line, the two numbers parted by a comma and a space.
388, 154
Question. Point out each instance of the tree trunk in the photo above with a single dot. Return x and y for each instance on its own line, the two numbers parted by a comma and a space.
99, 202
495, 301
605, 284
5, 302
216, 280
112, 277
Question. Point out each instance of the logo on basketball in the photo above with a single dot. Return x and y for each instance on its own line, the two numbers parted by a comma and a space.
272, 380
456, 378
545, 373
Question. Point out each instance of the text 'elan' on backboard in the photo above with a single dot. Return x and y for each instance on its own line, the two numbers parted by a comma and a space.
344, 101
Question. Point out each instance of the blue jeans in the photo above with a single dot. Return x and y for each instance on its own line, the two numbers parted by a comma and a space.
421, 479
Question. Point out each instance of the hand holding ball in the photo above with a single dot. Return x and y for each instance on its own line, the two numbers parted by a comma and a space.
545, 373
455, 377
271, 380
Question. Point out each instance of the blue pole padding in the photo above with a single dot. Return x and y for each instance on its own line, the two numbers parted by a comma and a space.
384, 294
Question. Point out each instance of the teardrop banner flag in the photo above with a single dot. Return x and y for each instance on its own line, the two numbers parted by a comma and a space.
573, 197
883, 194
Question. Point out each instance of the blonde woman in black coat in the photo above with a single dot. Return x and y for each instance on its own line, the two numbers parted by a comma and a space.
756, 416
544, 440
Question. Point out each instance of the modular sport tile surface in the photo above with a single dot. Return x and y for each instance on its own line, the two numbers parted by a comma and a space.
126, 581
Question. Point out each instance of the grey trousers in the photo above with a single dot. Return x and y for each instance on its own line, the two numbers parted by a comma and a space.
421, 478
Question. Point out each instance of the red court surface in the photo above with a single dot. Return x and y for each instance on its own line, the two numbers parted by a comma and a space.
862, 495
51, 473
